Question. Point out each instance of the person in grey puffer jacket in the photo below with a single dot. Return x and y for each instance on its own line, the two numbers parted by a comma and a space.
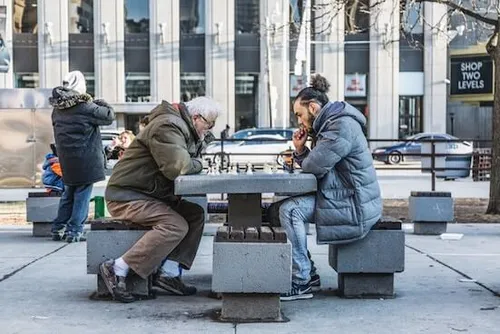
76, 119
348, 201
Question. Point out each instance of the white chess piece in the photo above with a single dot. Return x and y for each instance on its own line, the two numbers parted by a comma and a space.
249, 169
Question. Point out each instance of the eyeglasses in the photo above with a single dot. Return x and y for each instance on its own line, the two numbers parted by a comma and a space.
210, 125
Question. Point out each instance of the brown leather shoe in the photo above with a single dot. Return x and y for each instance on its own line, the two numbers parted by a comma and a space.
173, 285
116, 284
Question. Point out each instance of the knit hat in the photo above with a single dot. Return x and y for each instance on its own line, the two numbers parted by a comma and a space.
75, 81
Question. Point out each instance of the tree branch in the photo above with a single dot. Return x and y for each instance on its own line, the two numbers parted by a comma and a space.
466, 11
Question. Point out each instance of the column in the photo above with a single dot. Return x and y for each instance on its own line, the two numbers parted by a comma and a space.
109, 50
219, 59
7, 79
53, 44
383, 103
274, 79
330, 47
164, 50
435, 67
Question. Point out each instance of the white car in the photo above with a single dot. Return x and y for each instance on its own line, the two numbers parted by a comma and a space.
257, 150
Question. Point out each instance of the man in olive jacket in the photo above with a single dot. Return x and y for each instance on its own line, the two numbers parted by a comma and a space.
141, 190
76, 119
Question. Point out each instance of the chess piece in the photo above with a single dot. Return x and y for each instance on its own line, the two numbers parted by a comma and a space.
233, 170
237, 168
249, 170
267, 169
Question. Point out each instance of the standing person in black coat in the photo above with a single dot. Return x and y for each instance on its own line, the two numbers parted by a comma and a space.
76, 120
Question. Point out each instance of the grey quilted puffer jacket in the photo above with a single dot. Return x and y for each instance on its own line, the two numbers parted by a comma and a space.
348, 200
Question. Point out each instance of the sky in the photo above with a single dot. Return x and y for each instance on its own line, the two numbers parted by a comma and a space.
137, 9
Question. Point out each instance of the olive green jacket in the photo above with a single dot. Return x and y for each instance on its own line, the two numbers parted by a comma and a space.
166, 148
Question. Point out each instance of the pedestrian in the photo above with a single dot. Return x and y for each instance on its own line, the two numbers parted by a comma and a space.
76, 119
348, 201
141, 191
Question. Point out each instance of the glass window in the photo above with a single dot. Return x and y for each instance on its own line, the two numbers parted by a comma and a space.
411, 17
90, 82
410, 115
136, 16
247, 16
357, 16
137, 87
81, 16
192, 85
25, 16
27, 80
192, 16
246, 100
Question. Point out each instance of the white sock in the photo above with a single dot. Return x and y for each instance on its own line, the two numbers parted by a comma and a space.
120, 267
170, 269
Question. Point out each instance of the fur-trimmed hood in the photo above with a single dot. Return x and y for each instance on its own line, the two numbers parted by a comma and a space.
63, 98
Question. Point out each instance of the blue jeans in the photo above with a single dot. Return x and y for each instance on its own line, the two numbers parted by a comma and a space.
73, 209
294, 214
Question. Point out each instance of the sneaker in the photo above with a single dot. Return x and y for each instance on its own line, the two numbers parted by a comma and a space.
59, 235
116, 284
173, 285
80, 237
299, 291
315, 280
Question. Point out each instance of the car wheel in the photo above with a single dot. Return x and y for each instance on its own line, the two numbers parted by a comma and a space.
394, 158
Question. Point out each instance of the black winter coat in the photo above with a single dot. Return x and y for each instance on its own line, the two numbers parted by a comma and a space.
76, 121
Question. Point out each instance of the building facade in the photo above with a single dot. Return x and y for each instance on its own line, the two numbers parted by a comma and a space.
134, 53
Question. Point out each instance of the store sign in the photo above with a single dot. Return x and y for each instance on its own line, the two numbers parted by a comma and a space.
4, 53
297, 83
471, 75
355, 85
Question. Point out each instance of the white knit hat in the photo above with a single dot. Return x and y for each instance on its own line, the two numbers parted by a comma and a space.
75, 81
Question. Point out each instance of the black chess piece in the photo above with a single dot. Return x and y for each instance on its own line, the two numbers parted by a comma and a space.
237, 167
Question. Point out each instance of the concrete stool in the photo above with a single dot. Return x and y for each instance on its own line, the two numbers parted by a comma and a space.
251, 267
109, 239
41, 210
430, 211
366, 267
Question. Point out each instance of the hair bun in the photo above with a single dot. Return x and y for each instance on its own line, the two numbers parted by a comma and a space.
319, 83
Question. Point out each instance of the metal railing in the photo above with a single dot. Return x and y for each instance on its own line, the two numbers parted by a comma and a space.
225, 156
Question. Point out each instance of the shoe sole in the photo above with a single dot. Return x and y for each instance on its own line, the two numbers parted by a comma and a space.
297, 297
102, 271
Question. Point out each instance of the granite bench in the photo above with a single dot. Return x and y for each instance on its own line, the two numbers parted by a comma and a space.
251, 268
430, 211
41, 210
110, 239
366, 267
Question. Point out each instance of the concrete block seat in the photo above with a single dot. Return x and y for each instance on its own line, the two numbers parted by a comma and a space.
366, 267
430, 211
251, 267
109, 239
41, 210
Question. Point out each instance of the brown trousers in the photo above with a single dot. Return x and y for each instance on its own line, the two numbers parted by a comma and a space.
176, 233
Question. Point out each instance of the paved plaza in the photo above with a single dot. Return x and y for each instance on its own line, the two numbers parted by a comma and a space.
448, 286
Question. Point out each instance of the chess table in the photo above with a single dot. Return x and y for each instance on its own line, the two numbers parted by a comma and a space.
251, 262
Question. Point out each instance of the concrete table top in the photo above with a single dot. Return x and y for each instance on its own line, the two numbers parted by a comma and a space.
258, 183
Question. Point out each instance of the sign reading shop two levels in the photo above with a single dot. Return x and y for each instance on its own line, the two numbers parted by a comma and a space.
471, 75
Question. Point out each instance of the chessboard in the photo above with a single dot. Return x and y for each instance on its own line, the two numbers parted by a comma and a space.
248, 169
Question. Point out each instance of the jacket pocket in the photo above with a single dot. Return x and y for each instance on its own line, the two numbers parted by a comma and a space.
337, 207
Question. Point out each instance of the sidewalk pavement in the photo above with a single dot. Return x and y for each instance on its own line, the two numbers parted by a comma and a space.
448, 286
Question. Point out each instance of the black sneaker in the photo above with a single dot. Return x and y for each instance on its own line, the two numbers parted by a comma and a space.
80, 237
116, 284
173, 285
58, 235
302, 291
315, 280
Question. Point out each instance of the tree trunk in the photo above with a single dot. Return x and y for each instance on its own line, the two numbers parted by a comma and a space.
494, 203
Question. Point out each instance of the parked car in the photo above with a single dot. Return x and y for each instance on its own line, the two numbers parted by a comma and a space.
283, 133
108, 135
395, 154
264, 149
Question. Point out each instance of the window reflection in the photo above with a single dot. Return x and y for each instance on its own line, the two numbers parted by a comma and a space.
192, 16
247, 16
25, 16
136, 16
27, 80
246, 100
81, 16
192, 85
137, 87
357, 16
